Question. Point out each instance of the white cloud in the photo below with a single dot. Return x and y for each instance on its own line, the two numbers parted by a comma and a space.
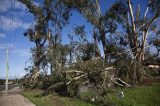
5, 5
14, 50
19, 5
12, 7
36, 3
23, 52
7, 45
11, 24
2, 35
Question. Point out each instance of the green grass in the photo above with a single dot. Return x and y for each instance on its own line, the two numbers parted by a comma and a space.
142, 96
52, 100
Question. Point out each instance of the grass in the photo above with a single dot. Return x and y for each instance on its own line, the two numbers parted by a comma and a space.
142, 96
52, 100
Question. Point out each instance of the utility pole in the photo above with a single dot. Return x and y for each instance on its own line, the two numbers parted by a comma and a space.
7, 69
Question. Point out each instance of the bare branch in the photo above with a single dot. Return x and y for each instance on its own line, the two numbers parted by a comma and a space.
110, 68
123, 82
145, 14
73, 71
116, 83
132, 17
98, 8
76, 78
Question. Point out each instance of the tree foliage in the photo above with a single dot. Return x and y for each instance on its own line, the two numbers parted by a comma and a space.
124, 30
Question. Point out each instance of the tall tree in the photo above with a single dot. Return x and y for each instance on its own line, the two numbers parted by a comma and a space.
136, 24
38, 34
51, 17
90, 9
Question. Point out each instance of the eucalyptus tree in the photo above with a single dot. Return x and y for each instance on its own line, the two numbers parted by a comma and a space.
80, 33
156, 42
136, 26
133, 28
38, 35
90, 9
50, 18
80, 48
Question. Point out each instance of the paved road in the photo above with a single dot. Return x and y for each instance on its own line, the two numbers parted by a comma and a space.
14, 98
10, 86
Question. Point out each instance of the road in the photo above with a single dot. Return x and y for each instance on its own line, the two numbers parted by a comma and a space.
10, 86
14, 98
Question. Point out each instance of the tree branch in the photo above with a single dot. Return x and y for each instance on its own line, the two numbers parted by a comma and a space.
132, 17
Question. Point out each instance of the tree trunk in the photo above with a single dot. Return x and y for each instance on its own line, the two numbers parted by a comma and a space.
135, 46
104, 43
97, 53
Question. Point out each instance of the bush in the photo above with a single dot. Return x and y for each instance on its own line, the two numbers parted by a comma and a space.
2, 82
152, 72
130, 71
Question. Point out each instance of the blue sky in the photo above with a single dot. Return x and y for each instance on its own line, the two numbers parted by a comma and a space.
14, 21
